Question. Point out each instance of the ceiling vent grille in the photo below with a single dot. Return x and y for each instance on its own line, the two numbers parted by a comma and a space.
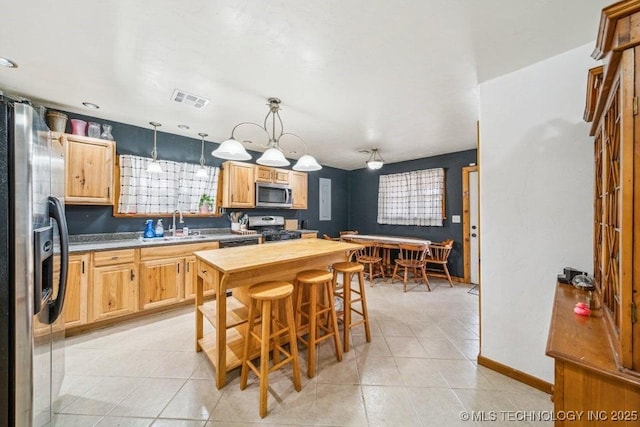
189, 99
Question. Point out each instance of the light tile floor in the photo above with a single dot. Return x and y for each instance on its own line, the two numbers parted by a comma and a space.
418, 370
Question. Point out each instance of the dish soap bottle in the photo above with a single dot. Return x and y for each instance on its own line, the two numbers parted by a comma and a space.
159, 229
148, 230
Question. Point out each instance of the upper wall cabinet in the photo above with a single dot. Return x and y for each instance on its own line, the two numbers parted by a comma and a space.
88, 170
238, 185
298, 181
267, 174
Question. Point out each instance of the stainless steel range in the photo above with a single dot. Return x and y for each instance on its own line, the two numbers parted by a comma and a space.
272, 228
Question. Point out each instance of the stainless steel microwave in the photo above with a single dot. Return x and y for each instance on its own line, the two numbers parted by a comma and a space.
273, 195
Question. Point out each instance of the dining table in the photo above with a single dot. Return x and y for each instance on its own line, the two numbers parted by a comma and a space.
236, 269
387, 243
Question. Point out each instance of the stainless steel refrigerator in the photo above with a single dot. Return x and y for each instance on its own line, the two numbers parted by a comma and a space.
33, 266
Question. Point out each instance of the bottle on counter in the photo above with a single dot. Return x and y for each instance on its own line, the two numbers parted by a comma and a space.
159, 229
148, 230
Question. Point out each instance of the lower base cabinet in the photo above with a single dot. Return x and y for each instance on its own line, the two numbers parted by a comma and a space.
115, 290
104, 285
75, 308
161, 282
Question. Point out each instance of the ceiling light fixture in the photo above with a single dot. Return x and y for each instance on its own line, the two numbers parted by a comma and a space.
273, 156
375, 159
91, 105
6, 62
202, 172
154, 165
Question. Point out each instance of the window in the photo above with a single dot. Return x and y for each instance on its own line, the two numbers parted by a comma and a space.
412, 198
177, 187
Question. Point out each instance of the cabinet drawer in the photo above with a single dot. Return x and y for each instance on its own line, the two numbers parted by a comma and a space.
206, 272
120, 256
176, 250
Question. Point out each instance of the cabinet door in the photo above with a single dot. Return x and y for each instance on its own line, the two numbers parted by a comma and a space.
161, 282
239, 185
114, 291
190, 277
299, 185
75, 303
263, 173
281, 176
88, 170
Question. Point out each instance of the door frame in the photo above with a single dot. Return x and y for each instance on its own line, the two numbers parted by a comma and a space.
466, 226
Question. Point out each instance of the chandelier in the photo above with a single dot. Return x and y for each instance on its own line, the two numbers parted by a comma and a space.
375, 159
231, 149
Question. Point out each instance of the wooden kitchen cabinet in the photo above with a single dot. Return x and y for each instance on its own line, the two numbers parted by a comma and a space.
168, 273
89, 170
75, 303
267, 174
238, 185
161, 282
114, 291
298, 181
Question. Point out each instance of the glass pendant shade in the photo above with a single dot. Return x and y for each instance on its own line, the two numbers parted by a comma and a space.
154, 167
231, 149
202, 172
374, 164
307, 163
273, 157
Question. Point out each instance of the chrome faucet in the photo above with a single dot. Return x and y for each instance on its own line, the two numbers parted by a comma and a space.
173, 224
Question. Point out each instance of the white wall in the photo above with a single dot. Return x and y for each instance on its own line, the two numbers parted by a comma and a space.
536, 190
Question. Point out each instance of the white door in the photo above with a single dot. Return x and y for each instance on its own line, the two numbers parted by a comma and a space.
474, 237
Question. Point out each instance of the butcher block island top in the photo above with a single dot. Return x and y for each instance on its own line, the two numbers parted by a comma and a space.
232, 260
238, 268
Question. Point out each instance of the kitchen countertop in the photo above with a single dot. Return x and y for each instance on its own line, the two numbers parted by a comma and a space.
132, 240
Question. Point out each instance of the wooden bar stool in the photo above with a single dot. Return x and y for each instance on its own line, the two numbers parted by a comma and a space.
314, 281
348, 269
262, 295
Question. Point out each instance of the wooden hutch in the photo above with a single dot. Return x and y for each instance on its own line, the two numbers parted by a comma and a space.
597, 358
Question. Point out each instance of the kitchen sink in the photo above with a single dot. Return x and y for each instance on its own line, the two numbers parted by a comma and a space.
174, 238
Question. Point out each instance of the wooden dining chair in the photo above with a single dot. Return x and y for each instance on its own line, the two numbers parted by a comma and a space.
411, 259
342, 233
438, 255
369, 256
326, 237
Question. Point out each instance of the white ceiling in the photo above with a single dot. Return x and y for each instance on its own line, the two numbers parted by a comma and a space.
401, 76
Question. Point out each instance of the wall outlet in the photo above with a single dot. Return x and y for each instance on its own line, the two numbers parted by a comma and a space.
455, 219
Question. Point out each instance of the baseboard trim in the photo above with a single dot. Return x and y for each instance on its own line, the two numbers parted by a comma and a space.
516, 374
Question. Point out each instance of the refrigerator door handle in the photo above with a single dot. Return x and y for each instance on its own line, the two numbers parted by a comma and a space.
56, 211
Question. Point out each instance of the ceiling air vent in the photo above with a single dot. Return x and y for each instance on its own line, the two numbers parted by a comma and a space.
189, 98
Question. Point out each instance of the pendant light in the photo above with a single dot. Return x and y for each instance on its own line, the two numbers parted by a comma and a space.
202, 172
154, 165
375, 159
273, 156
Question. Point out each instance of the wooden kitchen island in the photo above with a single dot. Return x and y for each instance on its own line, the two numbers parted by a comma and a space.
238, 268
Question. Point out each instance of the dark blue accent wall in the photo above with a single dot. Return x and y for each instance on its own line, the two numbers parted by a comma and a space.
139, 141
363, 202
354, 194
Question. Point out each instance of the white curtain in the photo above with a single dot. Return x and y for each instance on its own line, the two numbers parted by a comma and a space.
192, 187
176, 187
412, 198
